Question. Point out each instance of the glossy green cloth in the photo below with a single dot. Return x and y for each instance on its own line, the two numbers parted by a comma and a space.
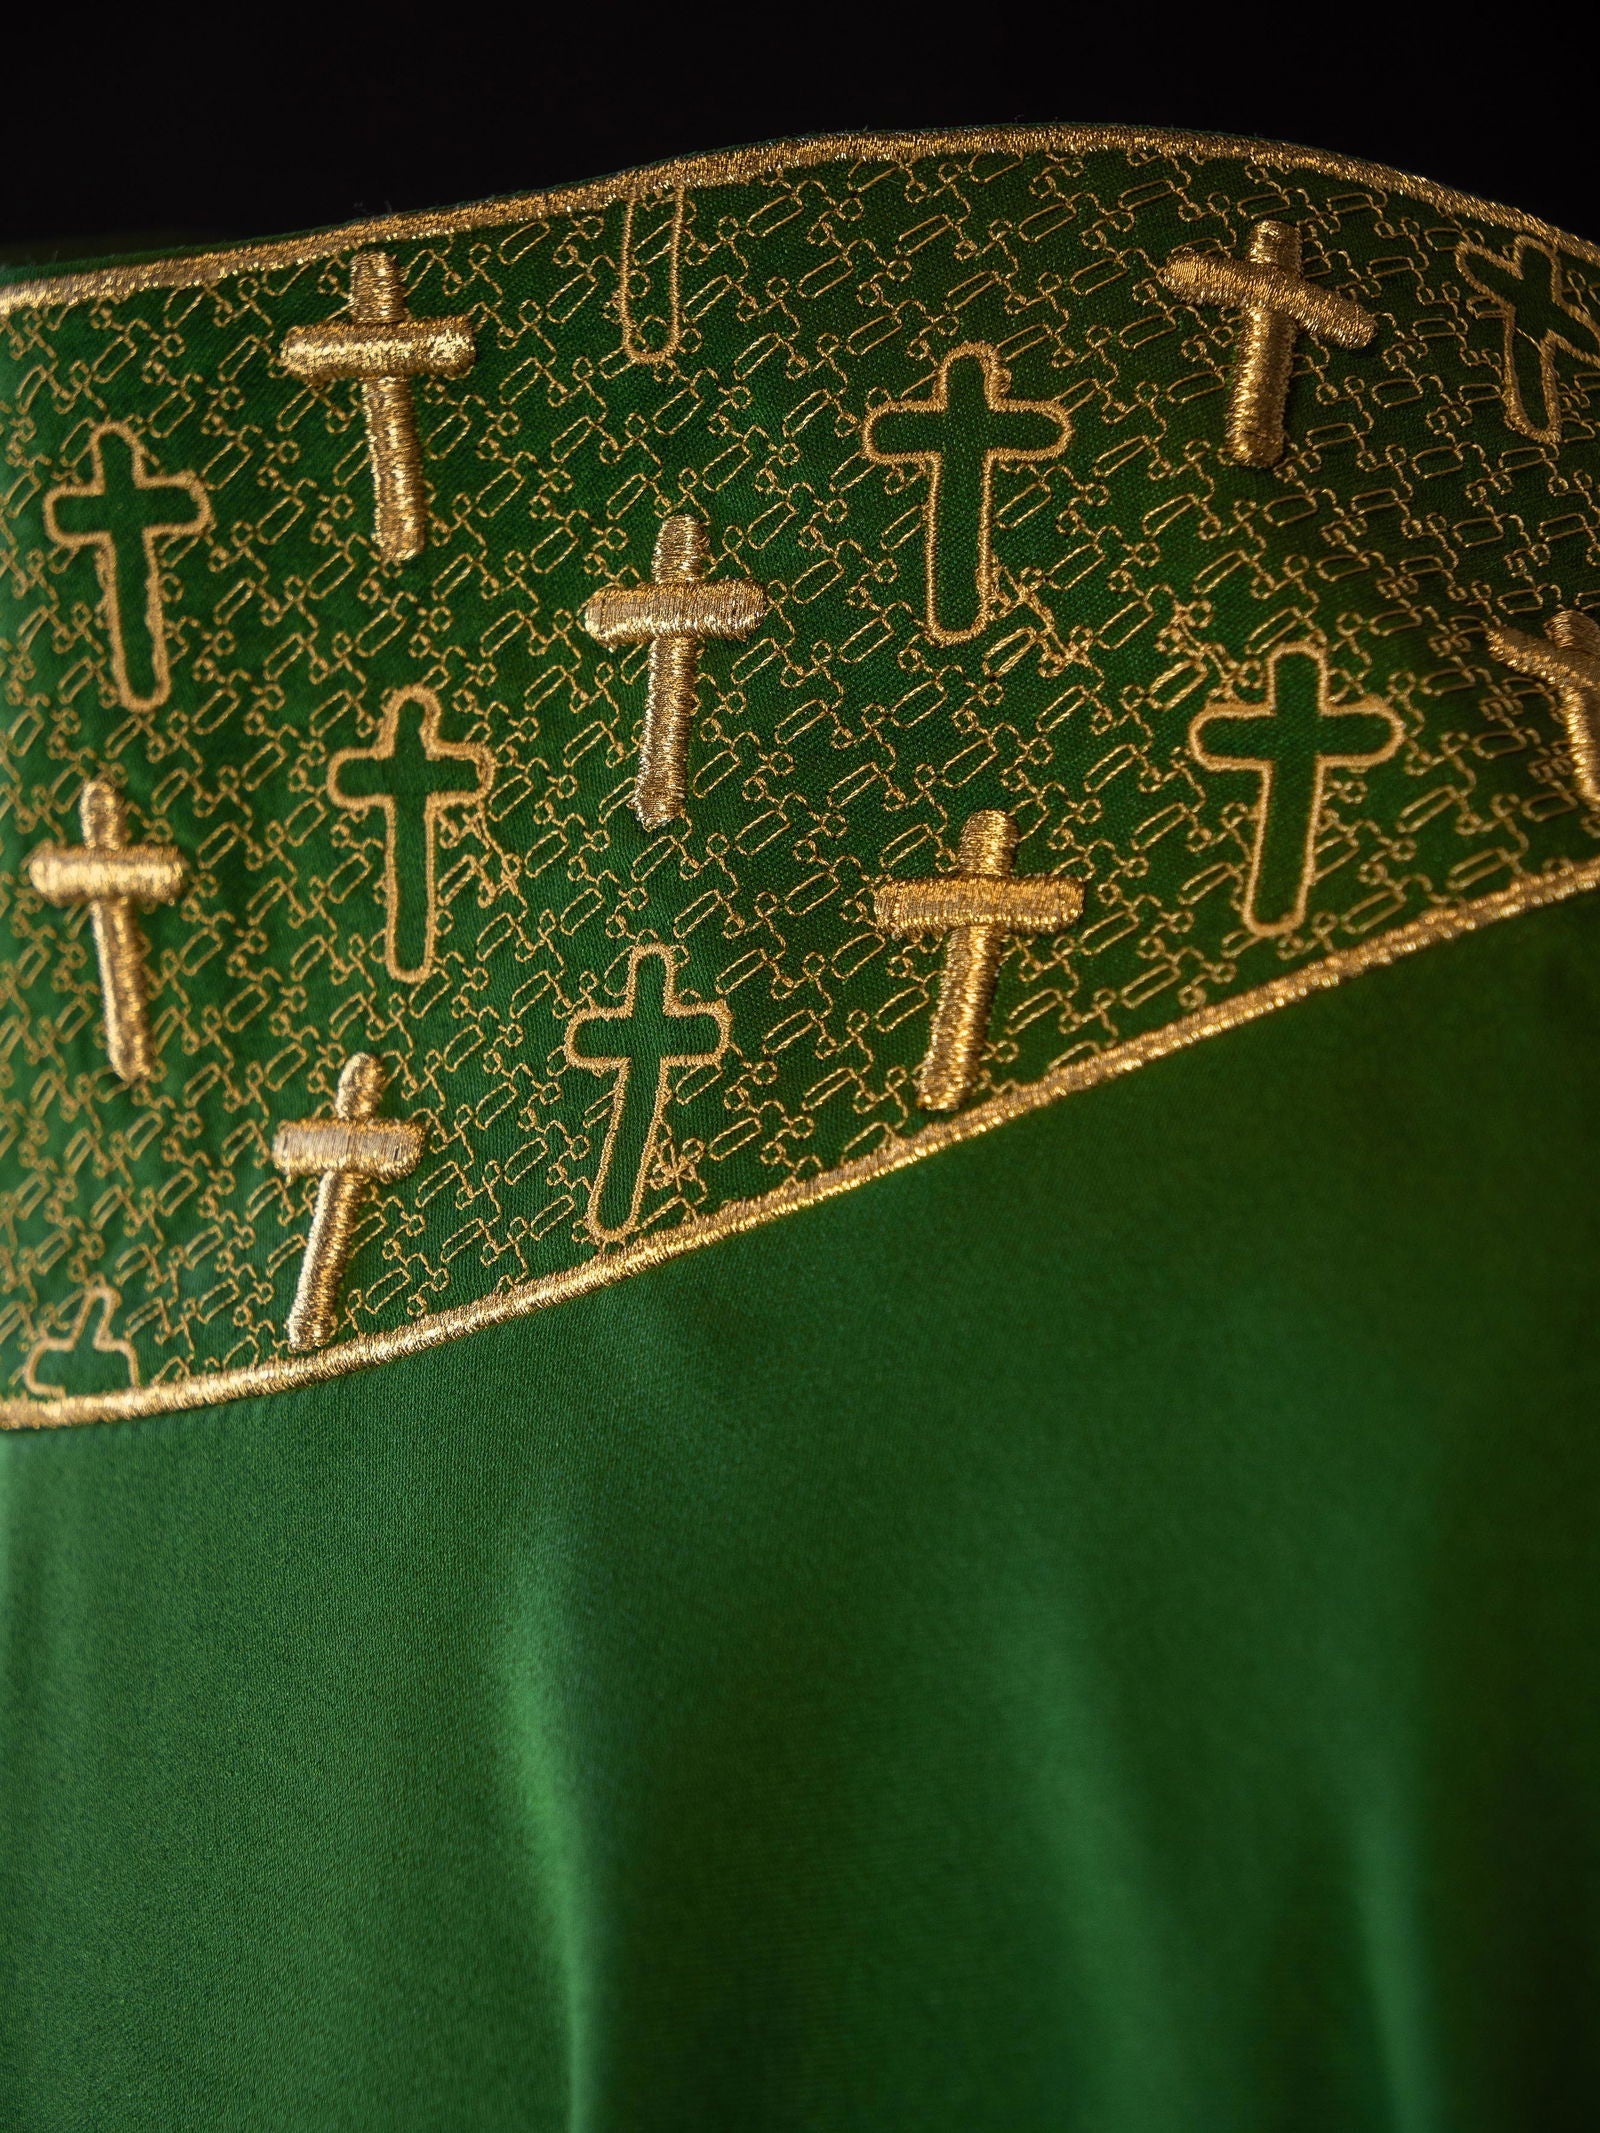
1095, 1632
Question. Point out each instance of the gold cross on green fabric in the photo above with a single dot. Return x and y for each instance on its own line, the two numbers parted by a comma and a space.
111, 876
382, 346
1289, 744
959, 436
976, 908
413, 776
1276, 304
89, 1356
347, 1154
120, 514
1568, 658
640, 1042
675, 614
1539, 320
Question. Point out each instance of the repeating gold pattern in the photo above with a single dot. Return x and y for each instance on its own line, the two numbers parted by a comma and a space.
717, 340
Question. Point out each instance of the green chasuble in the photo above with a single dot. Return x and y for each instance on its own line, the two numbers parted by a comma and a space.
800, 1159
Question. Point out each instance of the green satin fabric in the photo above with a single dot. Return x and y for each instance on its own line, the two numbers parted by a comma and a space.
1095, 1632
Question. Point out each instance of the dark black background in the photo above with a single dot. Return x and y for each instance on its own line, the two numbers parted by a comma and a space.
172, 126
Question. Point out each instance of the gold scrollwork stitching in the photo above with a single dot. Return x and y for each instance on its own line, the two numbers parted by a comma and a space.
652, 254
1447, 922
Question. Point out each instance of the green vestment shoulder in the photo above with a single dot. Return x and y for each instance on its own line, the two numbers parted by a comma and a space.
801, 1056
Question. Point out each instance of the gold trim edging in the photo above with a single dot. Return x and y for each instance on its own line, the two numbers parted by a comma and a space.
736, 165
205, 1390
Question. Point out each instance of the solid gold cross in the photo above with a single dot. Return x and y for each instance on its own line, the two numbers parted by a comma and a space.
1568, 657
385, 348
674, 614
111, 875
348, 1154
1277, 304
977, 907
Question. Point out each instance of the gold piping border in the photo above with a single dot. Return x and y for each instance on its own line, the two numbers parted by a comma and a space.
730, 167
209, 1389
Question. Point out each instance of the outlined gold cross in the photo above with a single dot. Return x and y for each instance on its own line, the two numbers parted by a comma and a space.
1288, 744
120, 514
1276, 305
977, 907
1568, 658
967, 427
1541, 317
674, 614
111, 875
383, 346
639, 1043
413, 778
348, 1154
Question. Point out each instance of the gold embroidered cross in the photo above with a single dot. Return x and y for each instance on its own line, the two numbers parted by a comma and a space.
959, 435
413, 778
1568, 658
674, 614
348, 1154
978, 906
1540, 318
1288, 745
640, 1042
1277, 304
111, 875
100, 1361
120, 514
382, 345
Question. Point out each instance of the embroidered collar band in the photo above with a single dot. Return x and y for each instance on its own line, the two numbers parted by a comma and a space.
543, 735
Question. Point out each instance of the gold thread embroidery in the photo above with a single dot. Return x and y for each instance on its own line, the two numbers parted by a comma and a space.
1518, 861
642, 1067
674, 614
646, 235
1536, 318
737, 166
111, 876
1281, 743
736, 1217
101, 1294
966, 428
1568, 658
139, 510
348, 1154
1276, 305
383, 346
977, 907
419, 771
